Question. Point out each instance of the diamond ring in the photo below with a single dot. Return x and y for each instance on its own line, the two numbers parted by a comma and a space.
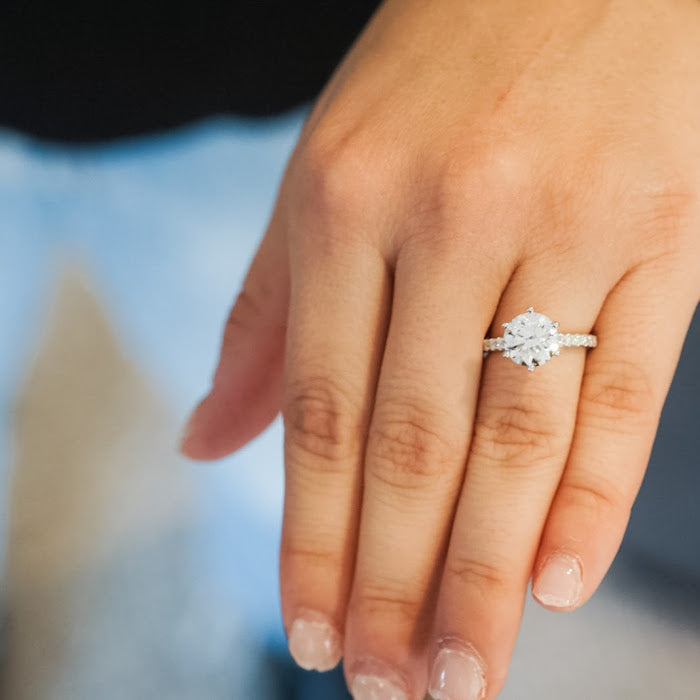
531, 339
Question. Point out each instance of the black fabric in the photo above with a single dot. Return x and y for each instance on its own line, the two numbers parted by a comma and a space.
94, 69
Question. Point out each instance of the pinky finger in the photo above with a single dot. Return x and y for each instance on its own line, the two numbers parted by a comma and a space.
247, 387
625, 383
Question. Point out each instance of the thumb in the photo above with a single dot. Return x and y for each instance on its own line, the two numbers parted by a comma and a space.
247, 388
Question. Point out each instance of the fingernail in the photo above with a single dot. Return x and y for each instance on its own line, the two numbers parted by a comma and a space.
560, 582
375, 688
314, 644
372, 679
457, 674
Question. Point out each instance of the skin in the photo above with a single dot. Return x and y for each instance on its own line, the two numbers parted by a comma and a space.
468, 160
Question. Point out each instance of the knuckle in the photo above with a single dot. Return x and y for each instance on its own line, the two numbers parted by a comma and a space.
493, 173
669, 211
516, 435
308, 556
246, 310
597, 498
384, 601
467, 188
615, 394
339, 174
485, 579
404, 450
671, 202
320, 420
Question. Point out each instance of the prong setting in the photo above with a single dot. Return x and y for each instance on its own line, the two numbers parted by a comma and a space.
530, 339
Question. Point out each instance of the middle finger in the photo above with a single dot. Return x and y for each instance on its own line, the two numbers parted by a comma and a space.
414, 461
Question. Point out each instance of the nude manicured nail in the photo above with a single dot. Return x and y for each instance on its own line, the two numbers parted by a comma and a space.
314, 644
375, 688
560, 582
457, 674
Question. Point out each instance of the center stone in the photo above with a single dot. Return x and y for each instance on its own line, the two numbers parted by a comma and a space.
531, 339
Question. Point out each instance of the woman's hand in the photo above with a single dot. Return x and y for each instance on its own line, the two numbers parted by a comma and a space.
467, 160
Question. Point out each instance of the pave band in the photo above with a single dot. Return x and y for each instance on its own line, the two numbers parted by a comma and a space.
567, 340
531, 339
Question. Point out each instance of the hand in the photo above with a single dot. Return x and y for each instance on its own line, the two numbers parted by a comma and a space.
466, 161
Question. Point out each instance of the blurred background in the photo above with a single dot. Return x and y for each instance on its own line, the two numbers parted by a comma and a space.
140, 150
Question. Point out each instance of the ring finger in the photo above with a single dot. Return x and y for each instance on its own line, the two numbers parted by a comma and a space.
522, 433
